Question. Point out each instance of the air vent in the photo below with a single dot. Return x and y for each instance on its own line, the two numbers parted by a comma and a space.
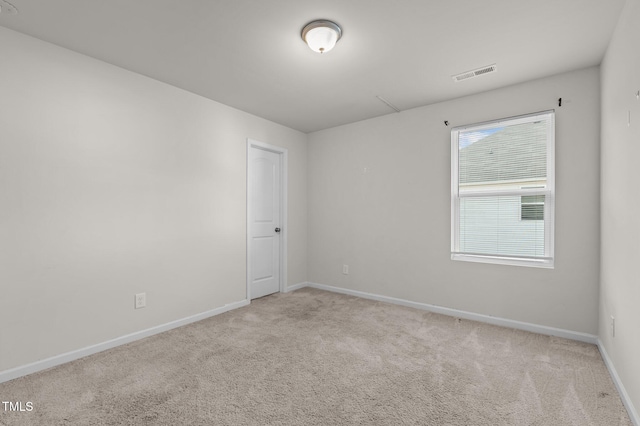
474, 73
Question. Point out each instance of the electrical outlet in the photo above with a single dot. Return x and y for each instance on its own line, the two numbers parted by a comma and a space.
140, 300
613, 326
345, 269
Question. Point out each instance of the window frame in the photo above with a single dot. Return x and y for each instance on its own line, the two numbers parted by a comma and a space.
546, 261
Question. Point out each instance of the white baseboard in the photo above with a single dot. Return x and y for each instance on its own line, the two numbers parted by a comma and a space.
34, 367
633, 414
535, 328
296, 286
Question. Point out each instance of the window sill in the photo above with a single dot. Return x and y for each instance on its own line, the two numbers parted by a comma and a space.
546, 263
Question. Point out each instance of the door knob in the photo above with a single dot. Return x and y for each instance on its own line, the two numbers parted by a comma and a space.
278, 230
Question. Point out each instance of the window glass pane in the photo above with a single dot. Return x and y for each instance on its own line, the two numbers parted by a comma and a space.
503, 157
493, 226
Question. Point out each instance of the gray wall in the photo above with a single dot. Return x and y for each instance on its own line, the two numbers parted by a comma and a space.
112, 184
391, 224
620, 280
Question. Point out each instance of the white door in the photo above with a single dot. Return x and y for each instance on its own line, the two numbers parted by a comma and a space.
264, 221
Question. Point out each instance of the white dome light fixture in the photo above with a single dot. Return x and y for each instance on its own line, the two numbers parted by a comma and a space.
321, 35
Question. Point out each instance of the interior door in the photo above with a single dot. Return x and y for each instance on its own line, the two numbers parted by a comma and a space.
264, 221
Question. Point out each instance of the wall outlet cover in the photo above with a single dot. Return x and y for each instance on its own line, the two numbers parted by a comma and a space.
140, 300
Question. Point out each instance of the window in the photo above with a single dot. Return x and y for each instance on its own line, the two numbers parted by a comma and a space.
502, 191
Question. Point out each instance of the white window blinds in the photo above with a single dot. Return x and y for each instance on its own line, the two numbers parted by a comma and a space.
503, 191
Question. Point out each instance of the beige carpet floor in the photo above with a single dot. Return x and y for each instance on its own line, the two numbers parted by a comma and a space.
317, 358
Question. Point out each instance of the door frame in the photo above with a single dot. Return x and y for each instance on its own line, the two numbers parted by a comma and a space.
284, 161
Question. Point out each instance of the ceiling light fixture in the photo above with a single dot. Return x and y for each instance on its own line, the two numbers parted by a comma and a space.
321, 35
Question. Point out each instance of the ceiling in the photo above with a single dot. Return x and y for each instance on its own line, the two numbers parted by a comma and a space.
248, 53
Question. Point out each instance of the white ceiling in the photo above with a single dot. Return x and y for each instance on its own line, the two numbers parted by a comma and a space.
248, 53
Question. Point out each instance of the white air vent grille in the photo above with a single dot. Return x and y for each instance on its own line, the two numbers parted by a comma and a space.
474, 73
